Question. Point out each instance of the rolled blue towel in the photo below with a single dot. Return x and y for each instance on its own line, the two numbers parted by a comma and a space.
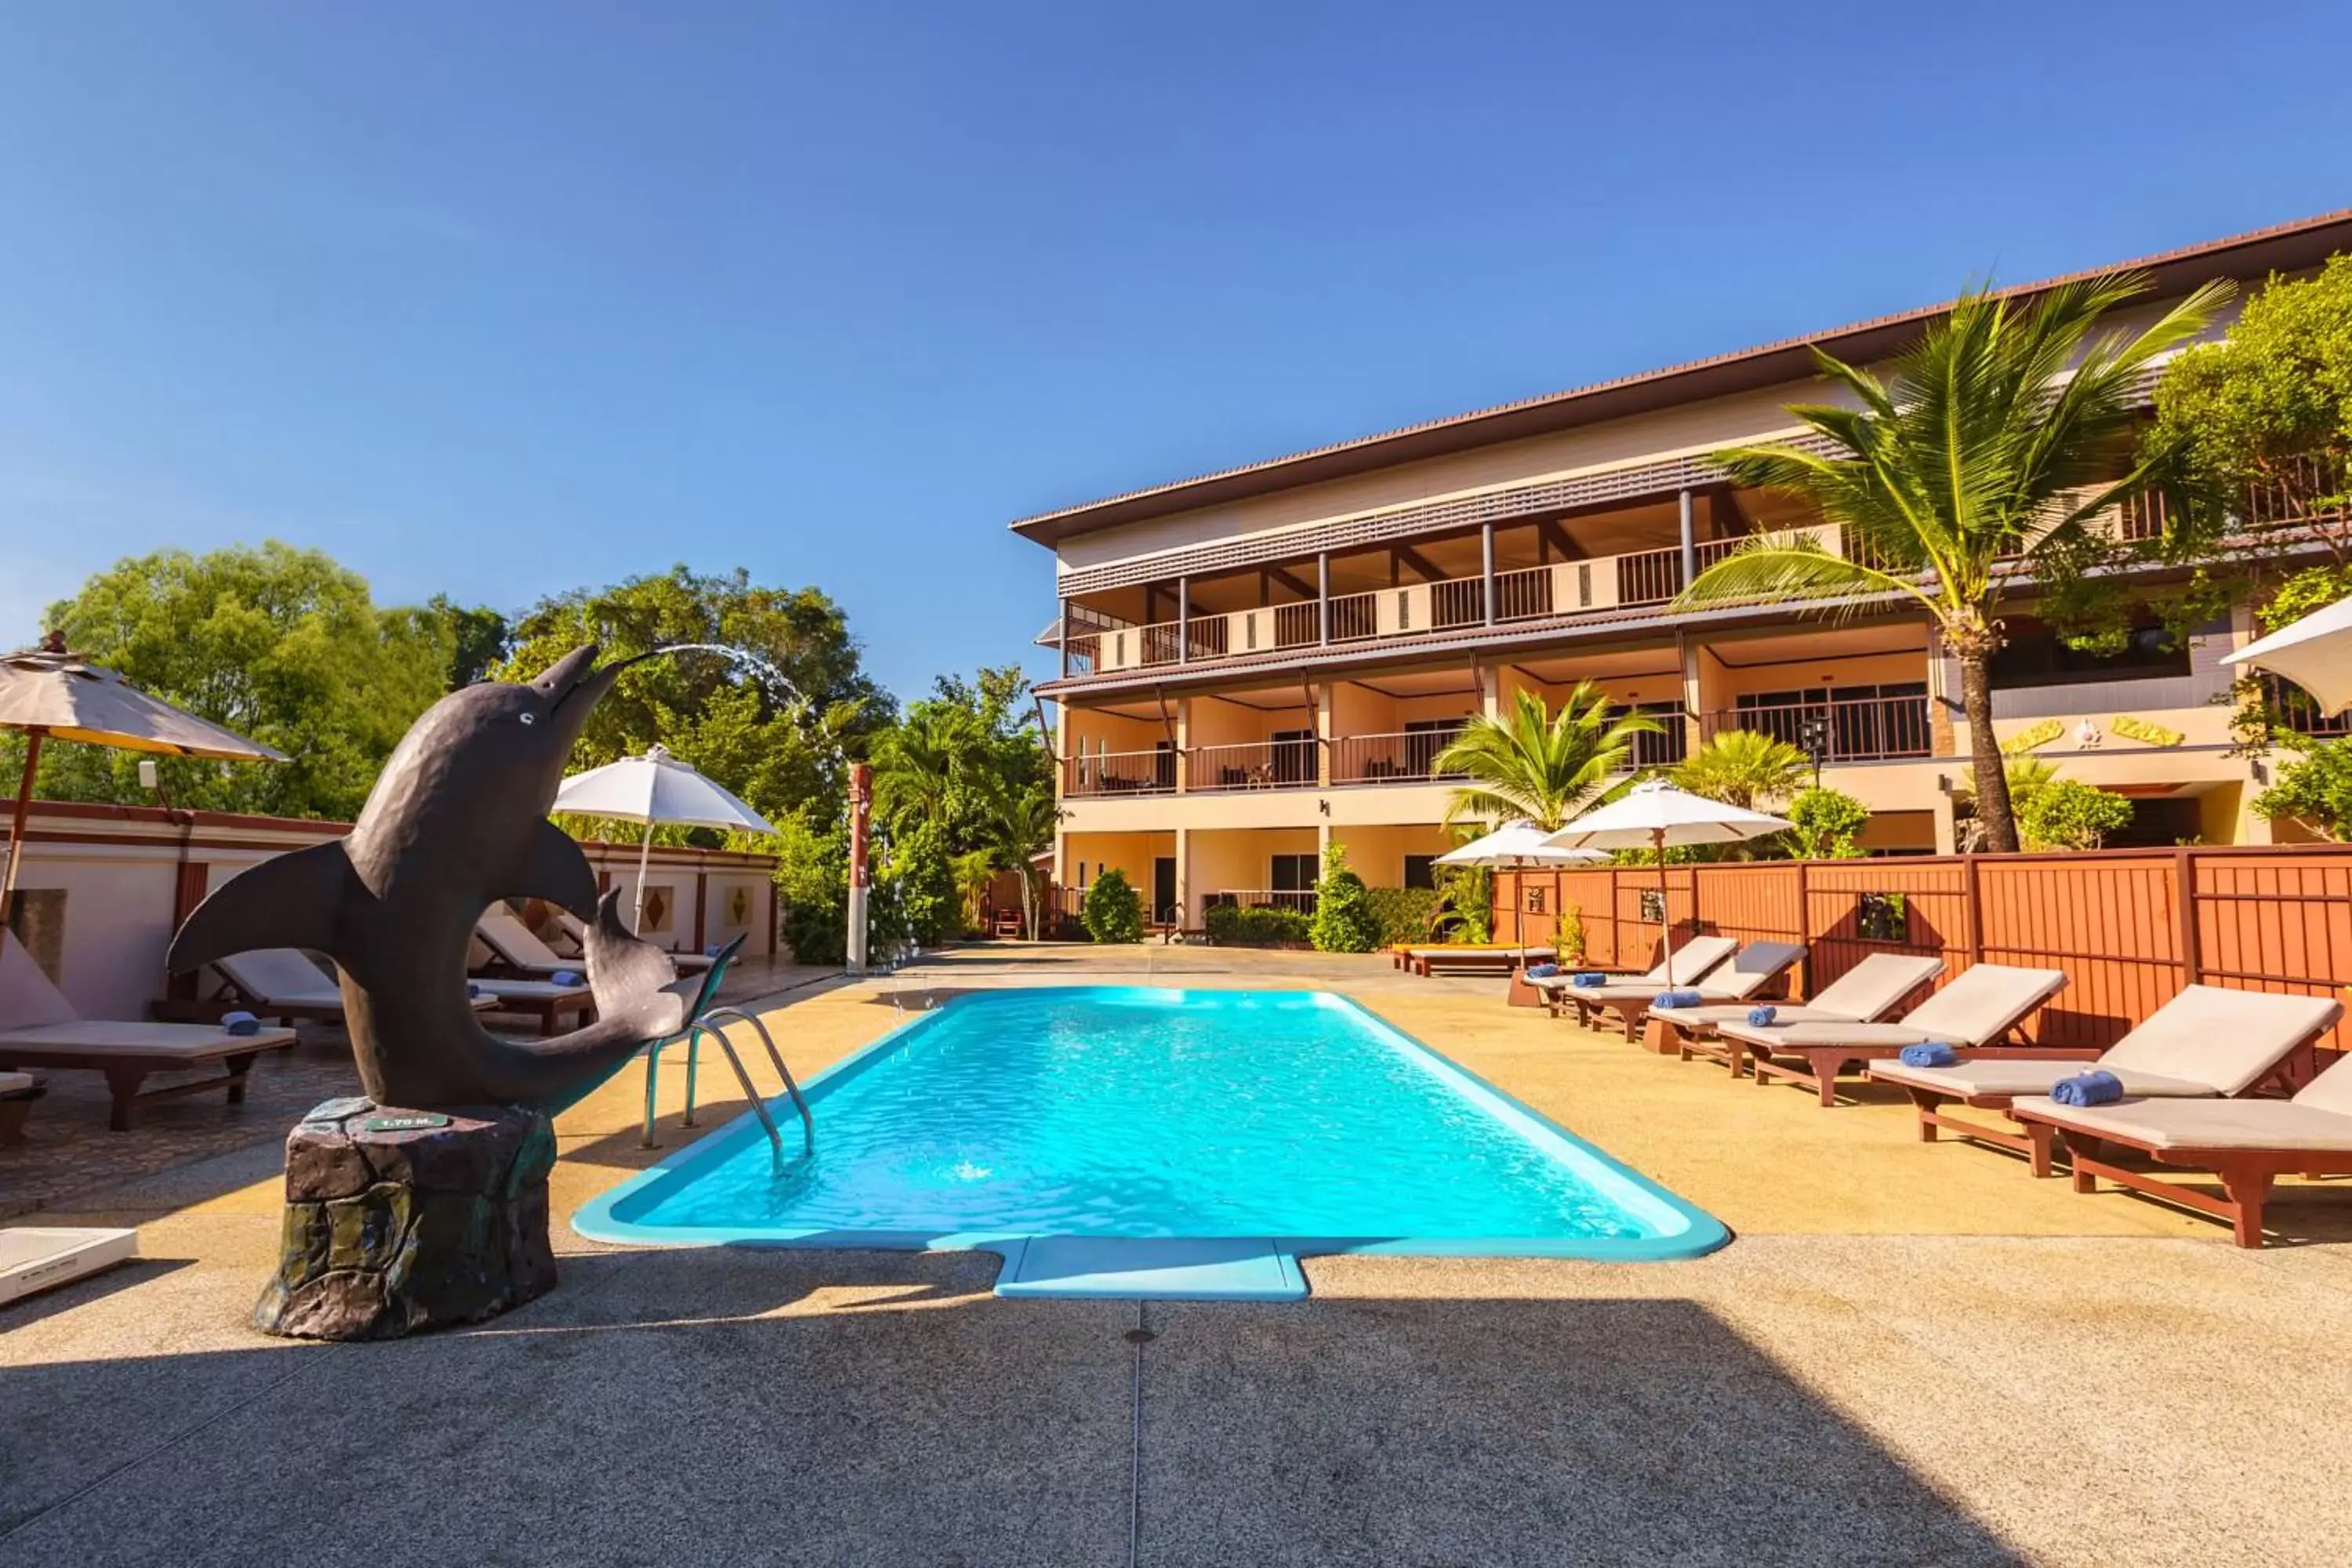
472, 991
1676, 999
1586, 979
1542, 970
240, 1023
569, 977
2093, 1088
1928, 1053
1762, 1015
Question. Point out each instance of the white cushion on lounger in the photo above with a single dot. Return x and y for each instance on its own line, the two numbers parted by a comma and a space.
1976, 1010
526, 989
96, 1037
1789, 1013
14, 1083
1970, 1079
2205, 1123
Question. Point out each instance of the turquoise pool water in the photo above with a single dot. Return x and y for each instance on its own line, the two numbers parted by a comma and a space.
1136, 1113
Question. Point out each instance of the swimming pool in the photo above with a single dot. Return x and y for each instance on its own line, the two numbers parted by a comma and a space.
1119, 1140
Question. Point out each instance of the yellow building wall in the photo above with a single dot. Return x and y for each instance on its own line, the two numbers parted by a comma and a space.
1083, 856
1376, 853
1241, 860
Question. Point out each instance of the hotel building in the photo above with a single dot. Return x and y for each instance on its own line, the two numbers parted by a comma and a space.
1257, 662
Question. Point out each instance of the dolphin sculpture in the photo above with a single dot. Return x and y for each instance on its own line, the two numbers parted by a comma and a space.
456, 819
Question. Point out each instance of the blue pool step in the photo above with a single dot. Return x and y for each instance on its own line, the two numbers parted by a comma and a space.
1089, 1267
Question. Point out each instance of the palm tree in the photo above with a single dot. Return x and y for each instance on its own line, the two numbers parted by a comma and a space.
1981, 449
1019, 827
1542, 766
1742, 767
921, 764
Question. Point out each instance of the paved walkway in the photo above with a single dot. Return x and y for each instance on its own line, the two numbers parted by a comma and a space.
1909, 1354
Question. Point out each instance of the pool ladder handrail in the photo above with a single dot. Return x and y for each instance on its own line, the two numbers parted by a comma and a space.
707, 1025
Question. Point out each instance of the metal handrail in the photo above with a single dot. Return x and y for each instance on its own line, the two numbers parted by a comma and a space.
708, 1025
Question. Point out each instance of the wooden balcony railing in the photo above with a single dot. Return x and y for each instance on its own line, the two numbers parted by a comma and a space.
1405, 757
1355, 616
1853, 729
1297, 625
1457, 602
1121, 772
1250, 765
1299, 898
2293, 709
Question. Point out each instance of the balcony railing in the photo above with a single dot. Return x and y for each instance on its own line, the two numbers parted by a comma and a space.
2294, 710
1250, 765
1121, 772
1406, 757
1299, 898
1853, 729
1639, 580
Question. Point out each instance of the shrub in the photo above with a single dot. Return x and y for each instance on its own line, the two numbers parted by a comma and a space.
812, 875
915, 898
1231, 925
1113, 912
1403, 914
1570, 937
2067, 814
1344, 922
1829, 825
1465, 905
2316, 791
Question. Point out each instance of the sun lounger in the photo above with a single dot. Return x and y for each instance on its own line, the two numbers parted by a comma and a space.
1691, 960
577, 931
1974, 1013
17, 1093
2207, 1042
1466, 959
2248, 1143
281, 982
516, 949
1689, 964
1863, 995
39, 1028
542, 999
1738, 978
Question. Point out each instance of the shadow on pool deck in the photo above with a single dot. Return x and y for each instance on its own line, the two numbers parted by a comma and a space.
871, 1408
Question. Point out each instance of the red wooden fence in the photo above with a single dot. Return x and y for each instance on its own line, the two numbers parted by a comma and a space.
2130, 927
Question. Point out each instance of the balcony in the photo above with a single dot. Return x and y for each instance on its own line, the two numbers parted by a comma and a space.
1858, 730
1850, 730
1599, 586
1098, 773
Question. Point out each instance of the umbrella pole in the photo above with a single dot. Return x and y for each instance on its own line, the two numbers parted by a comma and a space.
17, 832
644, 853
1665, 919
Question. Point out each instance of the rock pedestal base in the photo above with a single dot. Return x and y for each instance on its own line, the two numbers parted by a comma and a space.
398, 1221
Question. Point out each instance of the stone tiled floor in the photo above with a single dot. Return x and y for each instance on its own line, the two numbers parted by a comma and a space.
1910, 1353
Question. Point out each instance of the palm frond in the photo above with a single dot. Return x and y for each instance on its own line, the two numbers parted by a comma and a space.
1769, 571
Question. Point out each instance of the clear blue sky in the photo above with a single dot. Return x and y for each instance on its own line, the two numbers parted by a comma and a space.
499, 298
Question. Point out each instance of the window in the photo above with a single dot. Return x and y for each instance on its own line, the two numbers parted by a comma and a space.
1293, 874
1294, 758
1535, 901
1882, 917
2033, 656
1420, 870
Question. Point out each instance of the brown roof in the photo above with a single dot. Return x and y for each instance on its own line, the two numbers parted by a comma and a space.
2282, 248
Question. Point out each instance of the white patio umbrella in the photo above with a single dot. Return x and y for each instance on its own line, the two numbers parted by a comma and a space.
1654, 815
53, 694
2316, 653
1516, 846
655, 787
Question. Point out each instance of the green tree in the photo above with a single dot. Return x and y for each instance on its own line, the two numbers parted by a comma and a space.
2268, 408
478, 638
1344, 919
1743, 768
2002, 433
1541, 767
1113, 912
1020, 828
1828, 824
2067, 814
279, 644
2315, 791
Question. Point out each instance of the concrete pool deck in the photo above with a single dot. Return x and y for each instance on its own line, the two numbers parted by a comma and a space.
1909, 1354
